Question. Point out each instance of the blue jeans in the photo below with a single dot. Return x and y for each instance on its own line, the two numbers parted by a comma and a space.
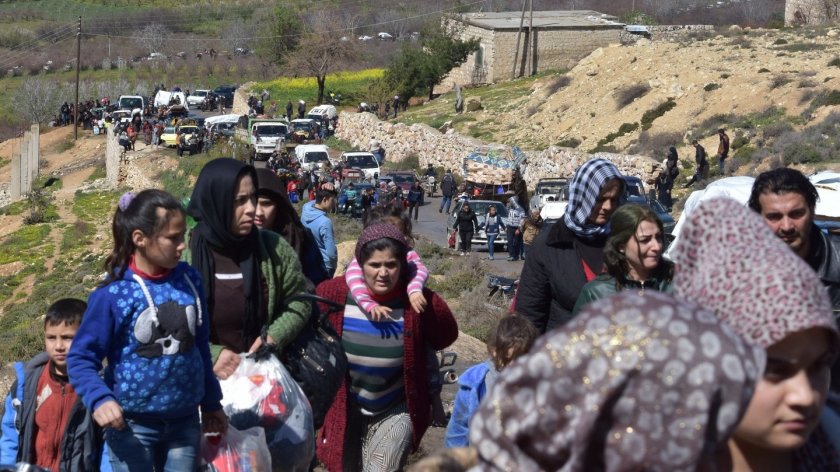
160, 445
445, 203
491, 243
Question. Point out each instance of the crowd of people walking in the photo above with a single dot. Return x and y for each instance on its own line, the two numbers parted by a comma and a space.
613, 357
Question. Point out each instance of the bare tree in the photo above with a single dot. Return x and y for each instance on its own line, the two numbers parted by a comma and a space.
37, 99
153, 37
322, 52
756, 12
236, 34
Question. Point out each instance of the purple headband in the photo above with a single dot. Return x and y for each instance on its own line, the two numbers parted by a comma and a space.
125, 201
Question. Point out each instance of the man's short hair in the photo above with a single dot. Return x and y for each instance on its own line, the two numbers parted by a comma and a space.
694, 142
720, 130
322, 194
66, 311
783, 180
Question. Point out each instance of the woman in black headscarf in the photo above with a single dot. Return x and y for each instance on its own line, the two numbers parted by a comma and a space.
275, 213
247, 273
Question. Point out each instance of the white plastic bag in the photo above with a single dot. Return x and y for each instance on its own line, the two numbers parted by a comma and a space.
235, 451
261, 392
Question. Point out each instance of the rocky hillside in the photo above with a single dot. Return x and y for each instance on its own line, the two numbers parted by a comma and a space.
641, 98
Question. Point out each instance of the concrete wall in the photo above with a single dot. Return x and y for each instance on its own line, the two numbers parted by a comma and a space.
112, 158
559, 48
449, 149
25, 164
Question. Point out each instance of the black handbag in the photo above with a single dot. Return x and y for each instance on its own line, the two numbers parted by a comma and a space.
316, 358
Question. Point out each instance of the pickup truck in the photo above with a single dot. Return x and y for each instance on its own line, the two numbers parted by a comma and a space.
263, 135
549, 190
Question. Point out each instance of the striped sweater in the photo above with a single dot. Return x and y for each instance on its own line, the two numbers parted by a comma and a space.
375, 356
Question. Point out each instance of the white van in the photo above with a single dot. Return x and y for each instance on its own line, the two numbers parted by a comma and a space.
317, 113
310, 156
163, 98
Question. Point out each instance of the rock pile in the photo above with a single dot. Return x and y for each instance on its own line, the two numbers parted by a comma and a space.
450, 148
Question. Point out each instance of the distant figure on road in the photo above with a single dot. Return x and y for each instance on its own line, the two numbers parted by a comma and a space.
289, 110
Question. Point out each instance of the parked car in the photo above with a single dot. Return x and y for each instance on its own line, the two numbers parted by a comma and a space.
198, 98
225, 92
549, 190
364, 161
480, 208
404, 179
383, 36
167, 138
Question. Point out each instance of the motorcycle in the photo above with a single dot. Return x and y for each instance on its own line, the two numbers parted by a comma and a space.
431, 185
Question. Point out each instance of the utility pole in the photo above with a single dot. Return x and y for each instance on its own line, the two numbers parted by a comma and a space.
518, 35
78, 59
532, 40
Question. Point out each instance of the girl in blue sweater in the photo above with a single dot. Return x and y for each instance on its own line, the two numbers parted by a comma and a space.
149, 320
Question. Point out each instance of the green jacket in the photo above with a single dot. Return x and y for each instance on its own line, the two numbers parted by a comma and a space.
281, 271
605, 285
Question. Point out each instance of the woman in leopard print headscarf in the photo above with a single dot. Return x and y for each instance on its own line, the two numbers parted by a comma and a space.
731, 263
636, 382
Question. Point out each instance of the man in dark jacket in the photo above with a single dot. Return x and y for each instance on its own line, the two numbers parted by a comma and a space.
45, 422
289, 110
787, 201
701, 163
447, 189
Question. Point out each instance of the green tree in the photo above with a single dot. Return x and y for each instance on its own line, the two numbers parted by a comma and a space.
287, 29
418, 69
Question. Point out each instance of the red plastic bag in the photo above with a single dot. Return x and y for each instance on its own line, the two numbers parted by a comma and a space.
452, 240
235, 451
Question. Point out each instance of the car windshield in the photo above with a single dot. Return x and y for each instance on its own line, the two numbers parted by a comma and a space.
401, 179
480, 208
131, 103
200, 93
551, 188
169, 130
305, 126
271, 130
319, 156
363, 162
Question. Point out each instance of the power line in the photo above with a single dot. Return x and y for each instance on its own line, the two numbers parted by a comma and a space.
16, 54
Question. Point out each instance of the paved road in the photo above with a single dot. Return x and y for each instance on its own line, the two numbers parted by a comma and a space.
432, 225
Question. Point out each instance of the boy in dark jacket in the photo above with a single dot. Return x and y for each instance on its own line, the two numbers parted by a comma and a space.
45, 422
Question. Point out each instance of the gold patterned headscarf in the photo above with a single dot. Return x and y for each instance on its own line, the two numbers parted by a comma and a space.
635, 382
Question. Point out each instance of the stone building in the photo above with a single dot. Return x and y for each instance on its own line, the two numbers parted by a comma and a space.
554, 40
811, 12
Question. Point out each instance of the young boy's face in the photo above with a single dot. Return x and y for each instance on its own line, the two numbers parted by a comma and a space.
57, 341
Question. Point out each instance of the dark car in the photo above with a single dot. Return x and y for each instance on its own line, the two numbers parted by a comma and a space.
404, 179
225, 92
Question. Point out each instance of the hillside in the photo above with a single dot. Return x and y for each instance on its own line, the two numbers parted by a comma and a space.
743, 80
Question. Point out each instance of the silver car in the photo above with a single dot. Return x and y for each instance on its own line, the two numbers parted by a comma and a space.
480, 208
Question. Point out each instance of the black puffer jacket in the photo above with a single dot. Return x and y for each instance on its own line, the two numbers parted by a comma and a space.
553, 275
466, 221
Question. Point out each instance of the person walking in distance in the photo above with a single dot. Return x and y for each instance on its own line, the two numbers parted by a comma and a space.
466, 223
702, 164
447, 190
723, 149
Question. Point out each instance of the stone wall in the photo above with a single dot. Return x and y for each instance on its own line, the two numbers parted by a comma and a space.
810, 12
666, 32
449, 149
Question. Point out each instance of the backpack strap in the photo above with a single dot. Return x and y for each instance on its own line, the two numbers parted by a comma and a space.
17, 394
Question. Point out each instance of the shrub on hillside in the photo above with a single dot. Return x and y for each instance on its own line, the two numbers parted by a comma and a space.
774, 130
740, 140
569, 143
622, 130
559, 82
835, 62
711, 86
763, 70
476, 316
626, 95
661, 109
780, 41
779, 81
825, 99
657, 144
